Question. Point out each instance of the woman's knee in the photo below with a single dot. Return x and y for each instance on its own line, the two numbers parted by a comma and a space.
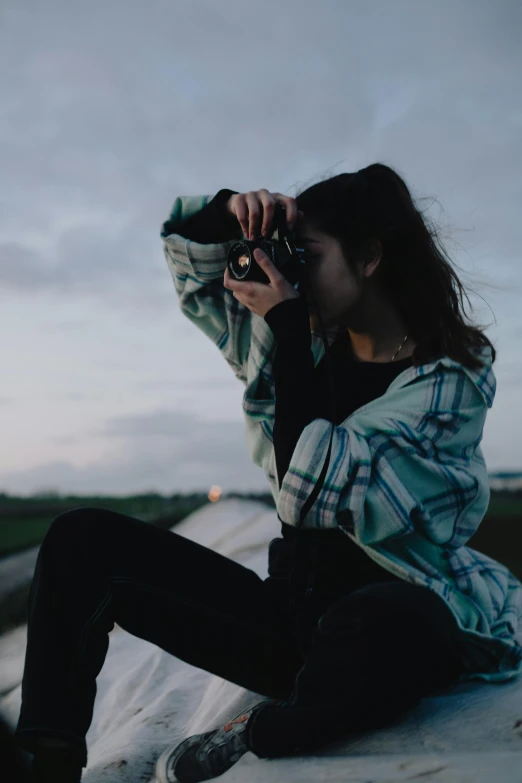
72, 526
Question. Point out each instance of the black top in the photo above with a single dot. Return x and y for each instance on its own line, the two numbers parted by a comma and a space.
211, 224
302, 392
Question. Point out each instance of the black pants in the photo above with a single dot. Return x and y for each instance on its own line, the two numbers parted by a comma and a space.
338, 655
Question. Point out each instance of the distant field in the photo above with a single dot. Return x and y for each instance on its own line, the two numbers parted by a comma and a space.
505, 504
16, 534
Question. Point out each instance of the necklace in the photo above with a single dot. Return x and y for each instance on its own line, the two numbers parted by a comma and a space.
399, 348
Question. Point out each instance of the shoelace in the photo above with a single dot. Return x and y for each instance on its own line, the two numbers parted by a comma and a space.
220, 754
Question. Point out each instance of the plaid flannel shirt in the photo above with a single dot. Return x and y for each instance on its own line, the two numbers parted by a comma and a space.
406, 481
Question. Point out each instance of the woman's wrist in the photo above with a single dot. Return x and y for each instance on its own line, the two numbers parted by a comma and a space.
289, 318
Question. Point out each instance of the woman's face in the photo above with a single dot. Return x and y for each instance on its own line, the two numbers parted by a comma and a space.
330, 284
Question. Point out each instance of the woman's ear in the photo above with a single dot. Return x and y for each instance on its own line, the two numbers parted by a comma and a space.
372, 257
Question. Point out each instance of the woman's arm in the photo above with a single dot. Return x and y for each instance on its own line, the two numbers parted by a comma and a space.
212, 223
408, 462
196, 253
292, 370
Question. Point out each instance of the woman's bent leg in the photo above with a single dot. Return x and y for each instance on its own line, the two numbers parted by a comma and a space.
374, 654
96, 568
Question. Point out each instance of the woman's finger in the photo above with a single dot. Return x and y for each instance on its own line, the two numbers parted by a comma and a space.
291, 212
290, 208
268, 204
254, 209
241, 210
271, 271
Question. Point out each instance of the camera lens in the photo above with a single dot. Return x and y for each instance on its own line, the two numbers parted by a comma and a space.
239, 260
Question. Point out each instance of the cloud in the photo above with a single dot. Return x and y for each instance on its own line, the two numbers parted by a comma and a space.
164, 451
112, 110
21, 268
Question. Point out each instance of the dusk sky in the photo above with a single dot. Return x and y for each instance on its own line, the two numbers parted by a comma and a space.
110, 110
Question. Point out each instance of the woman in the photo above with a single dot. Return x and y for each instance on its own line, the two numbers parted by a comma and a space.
376, 601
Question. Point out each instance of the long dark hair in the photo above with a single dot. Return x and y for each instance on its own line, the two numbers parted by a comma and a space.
414, 270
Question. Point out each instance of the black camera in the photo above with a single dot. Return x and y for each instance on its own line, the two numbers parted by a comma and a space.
281, 250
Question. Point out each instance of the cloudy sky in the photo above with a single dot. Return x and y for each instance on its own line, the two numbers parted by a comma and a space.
110, 109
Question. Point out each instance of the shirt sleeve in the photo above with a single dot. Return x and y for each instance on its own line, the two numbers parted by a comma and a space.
213, 223
198, 266
410, 466
292, 371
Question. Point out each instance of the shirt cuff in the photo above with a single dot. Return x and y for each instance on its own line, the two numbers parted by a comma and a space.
211, 223
289, 317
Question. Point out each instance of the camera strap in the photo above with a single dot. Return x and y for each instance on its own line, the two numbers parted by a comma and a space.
333, 410
312, 498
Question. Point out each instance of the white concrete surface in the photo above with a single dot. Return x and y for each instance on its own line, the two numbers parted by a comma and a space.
17, 570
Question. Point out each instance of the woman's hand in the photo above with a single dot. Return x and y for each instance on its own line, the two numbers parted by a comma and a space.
261, 297
255, 211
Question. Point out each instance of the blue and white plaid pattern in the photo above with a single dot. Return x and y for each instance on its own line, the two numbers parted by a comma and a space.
406, 481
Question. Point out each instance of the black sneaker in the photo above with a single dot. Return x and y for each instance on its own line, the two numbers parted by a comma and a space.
205, 756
